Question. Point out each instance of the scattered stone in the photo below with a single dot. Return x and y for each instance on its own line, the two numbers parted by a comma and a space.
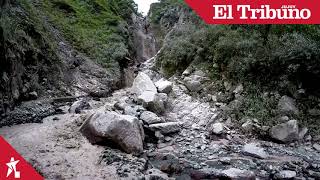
287, 106
286, 175
78, 106
227, 85
238, 174
166, 128
284, 119
63, 109
239, 89
285, 132
314, 174
156, 174
248, 126
214, 98
187, 72
151, 118
119, 106
217, 128
164, 86
123, 130
143, 83
55, 119
133, 110
33, 95
194, 82
158, 135
316, 147
253, 150
314, 112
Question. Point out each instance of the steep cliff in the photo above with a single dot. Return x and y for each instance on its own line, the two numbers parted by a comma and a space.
53, 49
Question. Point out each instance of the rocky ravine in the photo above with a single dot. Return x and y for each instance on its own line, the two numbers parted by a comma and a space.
164, 130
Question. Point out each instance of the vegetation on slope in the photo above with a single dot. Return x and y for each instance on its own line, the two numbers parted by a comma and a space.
98, 28
265, 58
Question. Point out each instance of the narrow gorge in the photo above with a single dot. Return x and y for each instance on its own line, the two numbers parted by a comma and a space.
143, 117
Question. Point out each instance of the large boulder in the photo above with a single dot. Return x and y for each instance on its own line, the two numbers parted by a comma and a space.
164, 86
285, 132
123, 130
287, 106
151, 118
155, 102
143, 83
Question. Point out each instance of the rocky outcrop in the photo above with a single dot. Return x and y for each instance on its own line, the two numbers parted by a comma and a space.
107, 127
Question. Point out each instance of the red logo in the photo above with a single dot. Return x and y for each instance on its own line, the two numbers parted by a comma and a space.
257, 12
13, 166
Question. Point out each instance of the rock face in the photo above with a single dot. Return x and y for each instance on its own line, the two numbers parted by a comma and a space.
287, 106
285, 132
254, 151
122, 130
150, 118
143, 83
166, 128
164, 86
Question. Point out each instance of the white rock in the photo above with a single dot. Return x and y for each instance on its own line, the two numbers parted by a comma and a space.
217, 128
164, 86
239, 89
253, 150
146, 98
286, 174
285, 132
236, 174
124, 130
316, 147
143, 83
